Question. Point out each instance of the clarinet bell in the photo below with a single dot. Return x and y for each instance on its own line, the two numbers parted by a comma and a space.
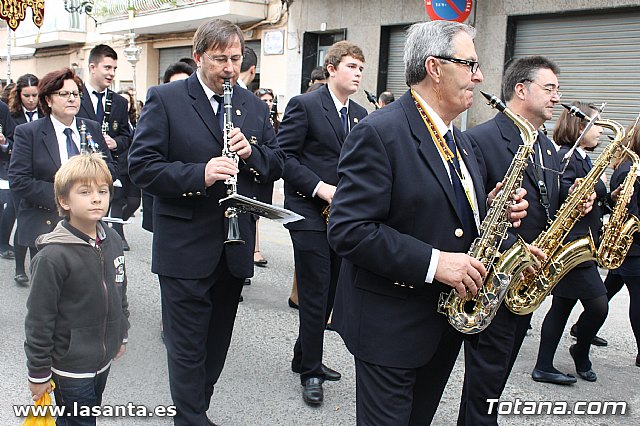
233, 233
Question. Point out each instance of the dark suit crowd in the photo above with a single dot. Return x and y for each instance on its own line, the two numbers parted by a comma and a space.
392, 202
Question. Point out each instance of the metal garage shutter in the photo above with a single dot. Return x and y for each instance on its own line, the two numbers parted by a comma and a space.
598, 55
396, 82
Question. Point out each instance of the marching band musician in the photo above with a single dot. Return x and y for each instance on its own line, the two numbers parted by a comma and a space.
629, 272
177, 157
312, 133
403, 218
103, 105
583, 282
530, 88
41, 147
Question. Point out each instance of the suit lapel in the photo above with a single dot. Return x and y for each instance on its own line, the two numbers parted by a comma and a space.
50, 141
239, 109
86, 105
203, 107
513, 139
427, 148
472, 168
331, 113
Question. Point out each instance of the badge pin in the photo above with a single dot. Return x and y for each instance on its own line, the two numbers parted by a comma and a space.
548, 152
115, 126
252, 140
355, 119
238, 112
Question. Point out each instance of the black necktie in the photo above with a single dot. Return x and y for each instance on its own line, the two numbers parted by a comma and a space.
72, 149
99, 107
464, 208
588, 160
219, 112
30, 114
345, 120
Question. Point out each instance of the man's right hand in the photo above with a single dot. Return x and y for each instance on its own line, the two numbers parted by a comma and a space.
326, 192
460, 271
219, 168
38, 389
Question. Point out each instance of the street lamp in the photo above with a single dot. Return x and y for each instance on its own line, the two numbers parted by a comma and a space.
132, 52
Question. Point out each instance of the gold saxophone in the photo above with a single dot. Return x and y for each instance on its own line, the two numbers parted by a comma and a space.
472, 314
617, 233
526, 295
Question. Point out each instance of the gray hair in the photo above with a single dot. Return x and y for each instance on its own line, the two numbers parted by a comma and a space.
216, 34
433, 38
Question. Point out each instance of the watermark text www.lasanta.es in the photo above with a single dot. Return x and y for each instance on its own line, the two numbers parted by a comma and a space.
128, 410
520, 407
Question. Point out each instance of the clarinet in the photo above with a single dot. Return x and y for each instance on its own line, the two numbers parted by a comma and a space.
83, 138
233, 233
107, 112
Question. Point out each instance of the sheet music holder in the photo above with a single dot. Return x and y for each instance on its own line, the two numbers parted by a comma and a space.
249, 205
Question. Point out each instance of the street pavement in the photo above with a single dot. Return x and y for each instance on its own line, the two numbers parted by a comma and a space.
257, 386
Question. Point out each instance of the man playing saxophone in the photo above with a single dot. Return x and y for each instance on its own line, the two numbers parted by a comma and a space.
406, 210
530, 87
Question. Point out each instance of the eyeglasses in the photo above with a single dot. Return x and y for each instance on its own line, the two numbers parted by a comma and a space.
550, 90
473, 65
222, 60
67, 94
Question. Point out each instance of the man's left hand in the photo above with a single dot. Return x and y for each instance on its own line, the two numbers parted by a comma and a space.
239, 144
518, 208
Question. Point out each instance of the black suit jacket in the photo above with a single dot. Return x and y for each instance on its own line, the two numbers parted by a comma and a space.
311, 137
118, 124
8, 126
20, 118
176, 136
394, 205
34, 163
495, 143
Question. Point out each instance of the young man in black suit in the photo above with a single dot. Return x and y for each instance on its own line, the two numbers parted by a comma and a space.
403, 217
311, 134
177, 158
103, 105
530, 88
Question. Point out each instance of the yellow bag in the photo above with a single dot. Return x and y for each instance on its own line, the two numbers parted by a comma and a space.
47, 420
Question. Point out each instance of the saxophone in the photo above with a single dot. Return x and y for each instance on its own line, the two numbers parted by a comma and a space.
472, 314
526, 295
617, 233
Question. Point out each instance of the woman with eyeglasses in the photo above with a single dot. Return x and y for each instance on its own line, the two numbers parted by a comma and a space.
24, 108
583, 282
40, 148
265, 191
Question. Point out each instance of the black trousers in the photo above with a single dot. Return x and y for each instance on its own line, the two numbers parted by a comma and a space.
387, 396
487, 366
198, 318
317, 268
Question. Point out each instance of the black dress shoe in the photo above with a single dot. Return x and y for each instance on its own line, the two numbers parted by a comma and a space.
329, 374
22, 280
596, 341
292, 304
589, 375
125, 245
312, 391
638, 360
7, 254
555, 378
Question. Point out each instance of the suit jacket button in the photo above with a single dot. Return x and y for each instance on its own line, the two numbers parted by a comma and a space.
459, 232
48, 222
198, 193
184, 194
191, 194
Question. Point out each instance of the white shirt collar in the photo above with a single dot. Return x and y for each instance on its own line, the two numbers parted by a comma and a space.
437, 121
337, 103
92, 89
207, 90
582, 152
59, 126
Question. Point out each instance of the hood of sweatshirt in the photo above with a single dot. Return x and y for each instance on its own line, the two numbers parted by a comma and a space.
62, 235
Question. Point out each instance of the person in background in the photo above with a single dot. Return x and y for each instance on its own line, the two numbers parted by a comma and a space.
177, 71
248, 68
79, 268
190, 62
6, 92
24, 108
385, 98
7, 211
41, 147
317, 76
629, 272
